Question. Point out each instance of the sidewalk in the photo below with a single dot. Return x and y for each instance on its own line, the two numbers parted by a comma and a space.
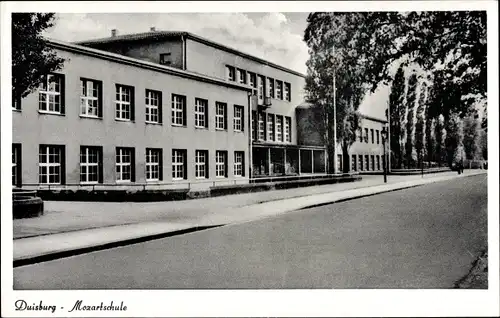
70, 226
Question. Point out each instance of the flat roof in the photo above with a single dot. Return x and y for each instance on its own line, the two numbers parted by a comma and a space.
160, 35
144, 64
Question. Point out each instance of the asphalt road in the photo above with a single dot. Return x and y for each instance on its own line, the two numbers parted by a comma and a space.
424, 237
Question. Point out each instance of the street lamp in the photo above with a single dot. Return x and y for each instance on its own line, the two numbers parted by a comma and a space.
384, 136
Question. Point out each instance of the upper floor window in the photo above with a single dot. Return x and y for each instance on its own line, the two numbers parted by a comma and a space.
16, 165
90, 98
153, 107
51, 164
238, 118
178, 110
242, 76
279, 128
262, 126
279, 89
288, 125
254, 125
373, 136
230, 73
288, 92
124, 103
51, 94
270, 127
220, 115
166, 58
360, 134
90, 164
260, 80
200, 113
270, 91
366, 135
252, 77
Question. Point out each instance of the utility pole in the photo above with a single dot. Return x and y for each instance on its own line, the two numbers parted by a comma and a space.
334, 117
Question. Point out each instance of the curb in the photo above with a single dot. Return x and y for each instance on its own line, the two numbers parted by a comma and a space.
30, 260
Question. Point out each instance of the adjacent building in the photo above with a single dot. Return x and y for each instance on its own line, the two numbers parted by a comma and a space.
164, 110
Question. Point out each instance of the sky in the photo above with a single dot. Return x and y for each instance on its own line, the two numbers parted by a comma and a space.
273, 36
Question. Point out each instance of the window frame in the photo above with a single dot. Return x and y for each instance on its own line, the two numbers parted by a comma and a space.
261, 126
16, 165
153, 165
218, 155
178, 107
271, 127
241, 75
119, 153
148, 97
87, 164
230, 70
261, 86
366, 135
163, 61
270, 87
287, 126
58, 153
367, 162
239, 165
279, 89
179, 153
84, 98
119, 104
199, 166
378, 137
279, 128
200, 116
45, 90
239, 118
287, 92
220, 118
372, 133
354, 163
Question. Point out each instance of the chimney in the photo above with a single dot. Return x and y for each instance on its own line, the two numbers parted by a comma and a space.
152, 29
113, 32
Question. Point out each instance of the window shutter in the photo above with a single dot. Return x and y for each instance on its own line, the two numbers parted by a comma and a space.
132, 164
160, 107
132, 104
160, 168
184, 111
63, 164
63, 93
101, 170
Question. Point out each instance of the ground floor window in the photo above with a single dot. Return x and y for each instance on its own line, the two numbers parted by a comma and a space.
378, 162
220, 164
354, 163
360, 160
90, 164
125, 164
239, 167
154, 164
339, 163
179, 169
201, 164
51, 164
373, 162
367, 162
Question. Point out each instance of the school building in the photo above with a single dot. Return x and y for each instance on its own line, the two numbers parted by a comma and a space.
161, 110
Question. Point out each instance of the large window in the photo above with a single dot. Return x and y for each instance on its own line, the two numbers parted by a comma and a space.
360, 161
366, 135
230, 73
288, 92
262, 126
179, 168
124, 103
153, 107
90, 164
270, 87
220, 115
367, 163
279, 89
200, 113
178, 110
373, 136
51, 94
51, 164
373, 162
201, 164
154, 165
253, 79
261, 83
125, 164
378, 137
90, 98
378, 162
288, 133
242, 76
239, 163
239, 122
16, 165
270, 127
354, 163
279, 128
221, 164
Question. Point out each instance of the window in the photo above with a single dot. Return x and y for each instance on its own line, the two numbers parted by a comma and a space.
270, 127
16, 165
270, 87
373, 136
253, 79
230, 73
90, 98
239, 163
262, 126
90, 164
220, 115
200, 113
378, 162
339, 163
242, 76
16, 102
221, 164
238, 118
279, 128
179, 168
360, 160
354, 163
361, 135
51, 164
287, 92
125, 164
260, 84
166, 58
378, 137
153, 107
254, 125
154, 164
51, 94
366, 135
367, 163
373, 162
178, 110
124, 103
279, 89
201, 164
288, 124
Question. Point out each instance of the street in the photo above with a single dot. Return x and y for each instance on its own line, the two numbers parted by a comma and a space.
423, 237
